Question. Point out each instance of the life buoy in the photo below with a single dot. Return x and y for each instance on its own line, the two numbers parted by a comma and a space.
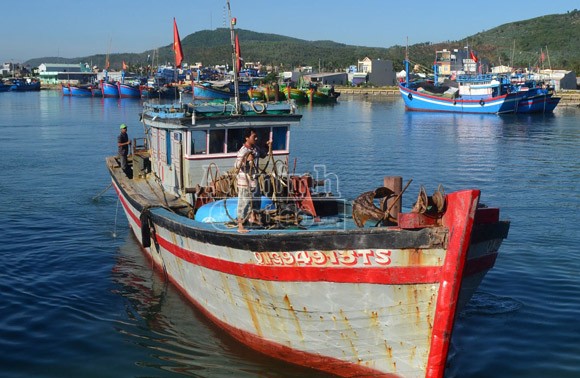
410, 96
481, 102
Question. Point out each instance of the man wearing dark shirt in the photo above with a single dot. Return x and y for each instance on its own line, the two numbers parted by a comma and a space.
123, 142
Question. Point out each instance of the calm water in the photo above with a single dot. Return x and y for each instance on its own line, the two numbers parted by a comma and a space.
77, 298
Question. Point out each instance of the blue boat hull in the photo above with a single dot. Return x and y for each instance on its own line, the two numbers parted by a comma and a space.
418, 101
128, 91
201, 92
109, 90
65, 90
80, 91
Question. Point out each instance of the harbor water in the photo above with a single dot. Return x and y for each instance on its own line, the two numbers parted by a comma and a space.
78, 299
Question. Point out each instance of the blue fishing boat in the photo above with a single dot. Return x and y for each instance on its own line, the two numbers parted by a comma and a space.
109, 89
537, 100
4, 87
23, 85
128, 90
96, 91
80, 90
469, 93
65, 89
206, 92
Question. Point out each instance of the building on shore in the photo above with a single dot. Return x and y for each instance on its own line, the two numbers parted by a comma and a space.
379, 72
56, 73
327, 78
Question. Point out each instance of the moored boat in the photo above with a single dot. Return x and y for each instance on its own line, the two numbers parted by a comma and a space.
207, 92
96, 90
317, 97
295, 94
23, 85
65, 89
80, 90
128, 90
365, 290
109, 90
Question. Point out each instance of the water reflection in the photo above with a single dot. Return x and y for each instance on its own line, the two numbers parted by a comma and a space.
173, 335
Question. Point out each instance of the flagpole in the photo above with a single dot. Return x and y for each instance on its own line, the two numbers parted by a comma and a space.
234, 60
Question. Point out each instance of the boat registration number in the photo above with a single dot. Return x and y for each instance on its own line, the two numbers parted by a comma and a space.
324, 258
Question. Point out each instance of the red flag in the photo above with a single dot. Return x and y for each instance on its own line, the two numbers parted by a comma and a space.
107, 63
177, 46
542, 57
472, 55
124, 66
238, 55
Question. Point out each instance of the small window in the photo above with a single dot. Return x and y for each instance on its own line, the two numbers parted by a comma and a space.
217, 140
263, 135
279, 138
235, 139
198, 142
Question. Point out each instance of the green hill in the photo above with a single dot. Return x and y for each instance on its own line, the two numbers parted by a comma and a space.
520, 41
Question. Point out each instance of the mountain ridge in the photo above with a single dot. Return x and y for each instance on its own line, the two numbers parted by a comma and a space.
520, 41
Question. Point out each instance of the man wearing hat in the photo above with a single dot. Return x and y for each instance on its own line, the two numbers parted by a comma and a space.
123, 142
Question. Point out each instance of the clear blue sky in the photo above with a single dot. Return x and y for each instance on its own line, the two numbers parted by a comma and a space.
76, 28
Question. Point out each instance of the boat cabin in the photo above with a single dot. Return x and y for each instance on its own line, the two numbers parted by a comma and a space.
191, 147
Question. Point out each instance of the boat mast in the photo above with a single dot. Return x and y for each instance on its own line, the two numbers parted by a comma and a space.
407, 63
234, 60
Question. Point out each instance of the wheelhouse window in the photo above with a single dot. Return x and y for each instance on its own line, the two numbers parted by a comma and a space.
217, 139
198, 145
279, 138
235, 139
229, 141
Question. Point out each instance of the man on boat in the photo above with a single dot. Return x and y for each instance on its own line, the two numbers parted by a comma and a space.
123, 143
247, 168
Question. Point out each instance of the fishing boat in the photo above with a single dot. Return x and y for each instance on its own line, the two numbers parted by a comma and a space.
128, 90
23, 85
96, 90
109, 90
65, 89
295, 94
80, 90
477, 93
538, 100
352, 290
3, 87
316, 96
205, 91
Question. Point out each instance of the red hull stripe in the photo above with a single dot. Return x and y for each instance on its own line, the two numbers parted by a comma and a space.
376, 275
126, 206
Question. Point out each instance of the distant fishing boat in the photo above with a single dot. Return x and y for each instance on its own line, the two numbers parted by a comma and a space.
80, 90
295, 94
538, 100
23, 85
65, 89
357, 290
317, 97
128, 90
109, 89
96, 90
207, 92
